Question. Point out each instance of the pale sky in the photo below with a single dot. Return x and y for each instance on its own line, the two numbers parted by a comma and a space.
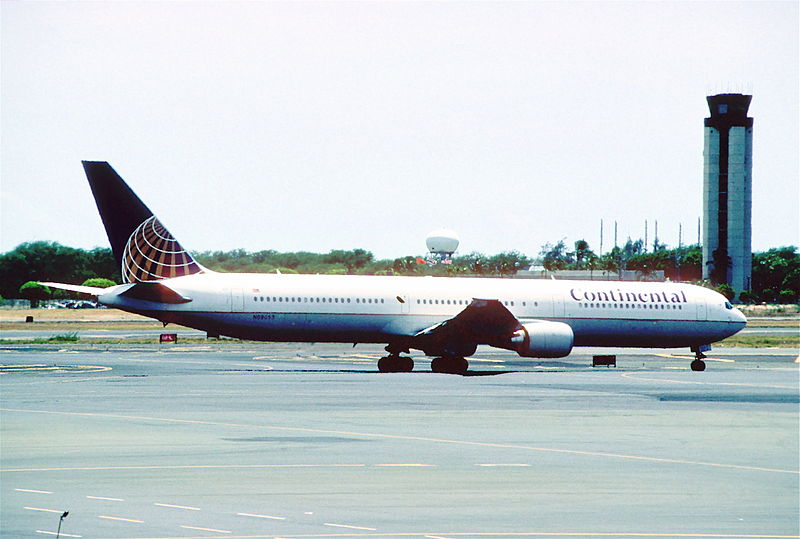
341, 125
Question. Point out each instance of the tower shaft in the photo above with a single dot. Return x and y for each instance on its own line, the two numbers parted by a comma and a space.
727, 191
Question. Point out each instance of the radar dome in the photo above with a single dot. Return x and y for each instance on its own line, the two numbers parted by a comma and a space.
442, 241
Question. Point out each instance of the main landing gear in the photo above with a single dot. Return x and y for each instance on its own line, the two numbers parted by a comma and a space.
394, 362
450, 365
698, 364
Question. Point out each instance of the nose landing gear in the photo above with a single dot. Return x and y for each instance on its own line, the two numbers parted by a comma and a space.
698, 364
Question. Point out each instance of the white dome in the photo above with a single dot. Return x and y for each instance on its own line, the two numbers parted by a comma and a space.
442, 241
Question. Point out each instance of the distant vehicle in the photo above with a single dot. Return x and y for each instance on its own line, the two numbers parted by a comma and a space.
83, 305
445, 317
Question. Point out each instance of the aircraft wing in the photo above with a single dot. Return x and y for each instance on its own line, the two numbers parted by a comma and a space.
482, 321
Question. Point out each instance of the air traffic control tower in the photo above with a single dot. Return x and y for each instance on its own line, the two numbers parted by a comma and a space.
727, 191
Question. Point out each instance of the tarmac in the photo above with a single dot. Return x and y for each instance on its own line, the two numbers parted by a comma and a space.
308, 440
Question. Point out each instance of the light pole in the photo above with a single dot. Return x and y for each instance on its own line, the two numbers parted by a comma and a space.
60, 520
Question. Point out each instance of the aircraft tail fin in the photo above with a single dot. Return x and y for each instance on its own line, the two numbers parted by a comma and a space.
142, 246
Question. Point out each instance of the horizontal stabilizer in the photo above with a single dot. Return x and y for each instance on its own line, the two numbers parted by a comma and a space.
91, 290
154, 291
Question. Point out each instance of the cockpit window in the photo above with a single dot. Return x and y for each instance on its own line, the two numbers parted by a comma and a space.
728, 305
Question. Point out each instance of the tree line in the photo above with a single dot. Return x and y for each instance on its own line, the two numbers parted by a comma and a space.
775, 276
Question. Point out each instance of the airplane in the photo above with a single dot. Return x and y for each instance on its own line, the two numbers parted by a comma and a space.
446, 318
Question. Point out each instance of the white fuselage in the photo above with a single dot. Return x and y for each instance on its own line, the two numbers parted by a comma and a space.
327, 308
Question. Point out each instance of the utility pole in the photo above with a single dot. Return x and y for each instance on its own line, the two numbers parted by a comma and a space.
601, 237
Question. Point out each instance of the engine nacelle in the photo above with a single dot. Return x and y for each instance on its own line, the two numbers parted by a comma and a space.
543, 339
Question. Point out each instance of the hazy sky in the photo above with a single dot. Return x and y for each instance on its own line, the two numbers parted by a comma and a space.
338, 125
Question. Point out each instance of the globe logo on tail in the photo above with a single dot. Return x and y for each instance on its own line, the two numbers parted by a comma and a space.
152, 254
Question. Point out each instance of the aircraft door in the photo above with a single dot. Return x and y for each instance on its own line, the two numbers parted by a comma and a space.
702, 310
558, 305
405, 304
237, 300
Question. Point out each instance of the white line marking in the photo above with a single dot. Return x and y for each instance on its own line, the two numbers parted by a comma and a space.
205, 529
45, 510
509, 465
260, 516
105, 499
120, 518
34, 491
349, 527
177, 506
407, 465
54, 533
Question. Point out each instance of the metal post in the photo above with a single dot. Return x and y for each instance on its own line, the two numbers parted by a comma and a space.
60, 520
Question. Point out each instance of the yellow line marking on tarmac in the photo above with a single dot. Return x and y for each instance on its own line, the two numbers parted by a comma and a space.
206, 529
676, 356
633, 376
54, 369
45, 510
180, 467
466, 443
121, 519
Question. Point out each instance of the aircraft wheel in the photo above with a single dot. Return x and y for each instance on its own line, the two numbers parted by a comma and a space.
384, 364
395, 364
698, 365
406, 364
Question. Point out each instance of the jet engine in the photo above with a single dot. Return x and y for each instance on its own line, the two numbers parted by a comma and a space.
543, 339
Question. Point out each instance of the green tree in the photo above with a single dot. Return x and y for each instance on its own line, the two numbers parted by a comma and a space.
726, 290
99, 282
583, 254
775, 270
35, 292
51, 261
507, 263
555, 257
